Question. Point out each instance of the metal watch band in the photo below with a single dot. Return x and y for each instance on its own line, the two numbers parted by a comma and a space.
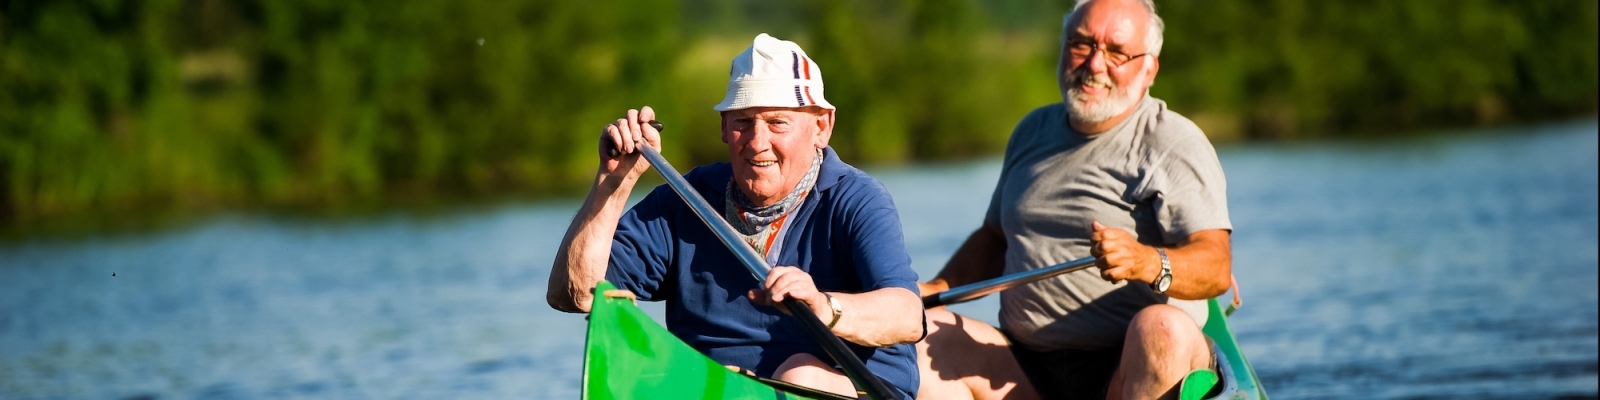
1164, 280
838, 310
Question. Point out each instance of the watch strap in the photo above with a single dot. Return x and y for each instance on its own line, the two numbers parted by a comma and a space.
838, 310
1164, 280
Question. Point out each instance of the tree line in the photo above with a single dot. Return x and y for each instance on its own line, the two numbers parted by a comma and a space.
117, 107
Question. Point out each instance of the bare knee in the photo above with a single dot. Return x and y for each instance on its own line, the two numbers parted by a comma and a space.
807, 370
1163, 323
957, 346
802, 366
1163, 345
963, 358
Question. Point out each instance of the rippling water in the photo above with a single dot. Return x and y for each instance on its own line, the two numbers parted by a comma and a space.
1446, 267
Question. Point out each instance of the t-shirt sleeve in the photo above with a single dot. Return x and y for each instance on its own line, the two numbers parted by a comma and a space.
1190, 193
878, 245
1019, 135
642, 246
992, 215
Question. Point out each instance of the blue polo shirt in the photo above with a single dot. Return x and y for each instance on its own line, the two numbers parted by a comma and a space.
846, 234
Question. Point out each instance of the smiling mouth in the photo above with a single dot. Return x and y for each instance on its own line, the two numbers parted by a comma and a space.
763, 163
1089, 83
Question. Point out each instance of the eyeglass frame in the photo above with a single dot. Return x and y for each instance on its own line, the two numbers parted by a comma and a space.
1094, 47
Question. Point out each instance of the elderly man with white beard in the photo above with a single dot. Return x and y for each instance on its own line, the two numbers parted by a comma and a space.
1110, 173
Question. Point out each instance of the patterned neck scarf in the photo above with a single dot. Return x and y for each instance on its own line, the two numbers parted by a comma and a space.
752, 221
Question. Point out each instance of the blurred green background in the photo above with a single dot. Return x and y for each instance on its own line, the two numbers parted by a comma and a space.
114, 108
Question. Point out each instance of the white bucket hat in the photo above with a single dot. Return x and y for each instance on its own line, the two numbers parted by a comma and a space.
773, 73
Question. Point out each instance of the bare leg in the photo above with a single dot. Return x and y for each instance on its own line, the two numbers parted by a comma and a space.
806, 370
963, 358
1163, 346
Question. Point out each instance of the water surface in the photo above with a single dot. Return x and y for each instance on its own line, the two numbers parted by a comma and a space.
1436, 267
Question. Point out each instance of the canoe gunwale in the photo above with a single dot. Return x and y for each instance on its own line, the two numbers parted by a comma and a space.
1229, 381
1243, 384
606, 337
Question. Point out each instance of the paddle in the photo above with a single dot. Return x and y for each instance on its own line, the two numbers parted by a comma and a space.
873, 387
971, 291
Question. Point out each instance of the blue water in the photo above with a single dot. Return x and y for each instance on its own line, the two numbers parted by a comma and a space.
1460, 266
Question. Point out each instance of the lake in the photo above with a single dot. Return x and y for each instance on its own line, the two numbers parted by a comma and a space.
1444, 266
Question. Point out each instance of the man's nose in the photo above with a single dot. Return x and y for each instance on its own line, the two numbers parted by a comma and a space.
1096, 61
760, 138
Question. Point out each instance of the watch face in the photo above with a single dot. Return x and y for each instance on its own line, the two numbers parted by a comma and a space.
1163, 283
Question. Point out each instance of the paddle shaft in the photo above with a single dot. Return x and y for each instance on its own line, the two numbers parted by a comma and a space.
971, 291
873, 387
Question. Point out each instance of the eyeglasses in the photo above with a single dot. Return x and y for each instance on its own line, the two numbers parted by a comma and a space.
1082, 49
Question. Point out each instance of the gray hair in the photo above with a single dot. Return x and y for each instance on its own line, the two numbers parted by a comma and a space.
1152, 38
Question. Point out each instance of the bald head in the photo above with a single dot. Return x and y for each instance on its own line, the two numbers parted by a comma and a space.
1152, 25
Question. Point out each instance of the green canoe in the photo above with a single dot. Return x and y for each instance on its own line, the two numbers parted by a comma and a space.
1238, 380
629, 356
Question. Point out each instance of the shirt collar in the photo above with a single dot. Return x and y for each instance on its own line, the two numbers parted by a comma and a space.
832, 171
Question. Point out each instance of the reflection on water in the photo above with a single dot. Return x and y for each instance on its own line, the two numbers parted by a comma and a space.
1439, 267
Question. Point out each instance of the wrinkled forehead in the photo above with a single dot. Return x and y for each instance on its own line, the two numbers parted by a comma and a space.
1110, 21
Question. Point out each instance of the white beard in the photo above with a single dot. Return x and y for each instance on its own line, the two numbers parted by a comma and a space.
1083, 109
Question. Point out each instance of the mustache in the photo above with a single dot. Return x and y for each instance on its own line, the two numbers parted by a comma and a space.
1089, 78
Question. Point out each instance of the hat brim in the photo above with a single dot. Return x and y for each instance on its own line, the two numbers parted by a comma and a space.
773, 93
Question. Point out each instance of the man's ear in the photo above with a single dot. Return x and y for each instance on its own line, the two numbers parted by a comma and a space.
1155, 66
825, 122
725, 136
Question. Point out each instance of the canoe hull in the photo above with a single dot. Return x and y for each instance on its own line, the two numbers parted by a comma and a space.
629, 356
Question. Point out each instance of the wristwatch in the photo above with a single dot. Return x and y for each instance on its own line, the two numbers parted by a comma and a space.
1164, 280
838, 310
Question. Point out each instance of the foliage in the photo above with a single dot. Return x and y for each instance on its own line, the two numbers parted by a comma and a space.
1293, 68
118, 106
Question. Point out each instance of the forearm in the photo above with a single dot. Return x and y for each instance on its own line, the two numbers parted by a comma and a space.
878, 318
586, 248
981, 257
1202, 266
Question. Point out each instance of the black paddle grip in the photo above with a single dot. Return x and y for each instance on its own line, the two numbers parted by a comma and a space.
611, 147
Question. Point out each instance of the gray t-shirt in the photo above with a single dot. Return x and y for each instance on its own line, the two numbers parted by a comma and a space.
1154, 175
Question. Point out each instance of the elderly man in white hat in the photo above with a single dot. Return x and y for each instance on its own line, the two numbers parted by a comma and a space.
831, 230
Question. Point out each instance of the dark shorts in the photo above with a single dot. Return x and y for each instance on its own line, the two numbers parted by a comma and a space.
1068, 373
1076, 373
